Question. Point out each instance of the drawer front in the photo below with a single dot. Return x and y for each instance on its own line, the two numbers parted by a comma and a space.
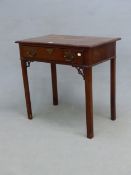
64, 55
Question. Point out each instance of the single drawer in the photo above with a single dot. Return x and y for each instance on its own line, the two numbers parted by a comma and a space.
64, 55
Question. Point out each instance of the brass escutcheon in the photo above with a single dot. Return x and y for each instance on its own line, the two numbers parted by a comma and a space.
31, 52
69, 56
49, 50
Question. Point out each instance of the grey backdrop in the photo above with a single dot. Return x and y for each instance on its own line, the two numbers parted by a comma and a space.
59, 129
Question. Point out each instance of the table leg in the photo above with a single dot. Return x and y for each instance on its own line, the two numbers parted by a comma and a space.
113, 88
54, 84
89, 101
26, 88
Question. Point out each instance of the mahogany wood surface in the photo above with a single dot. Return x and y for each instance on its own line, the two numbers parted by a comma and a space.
81, 52
69, 40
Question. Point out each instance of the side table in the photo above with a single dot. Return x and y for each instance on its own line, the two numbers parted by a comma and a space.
81, 52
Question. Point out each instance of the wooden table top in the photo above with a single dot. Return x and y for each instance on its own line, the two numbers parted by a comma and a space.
69, 40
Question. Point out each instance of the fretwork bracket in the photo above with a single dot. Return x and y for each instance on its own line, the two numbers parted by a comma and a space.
80, 71
28, 63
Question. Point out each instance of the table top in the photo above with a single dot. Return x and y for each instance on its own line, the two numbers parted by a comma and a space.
69, 40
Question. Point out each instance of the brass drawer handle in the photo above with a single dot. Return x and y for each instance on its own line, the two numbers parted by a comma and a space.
49, 50
31, 52
69, 56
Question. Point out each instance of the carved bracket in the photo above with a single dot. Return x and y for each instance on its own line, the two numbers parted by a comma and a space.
80, 71
28, 63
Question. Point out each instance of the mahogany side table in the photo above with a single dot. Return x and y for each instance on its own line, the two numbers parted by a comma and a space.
81, 52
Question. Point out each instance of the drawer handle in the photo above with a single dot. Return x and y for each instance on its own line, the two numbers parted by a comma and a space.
69, 56
49, 50
31, 52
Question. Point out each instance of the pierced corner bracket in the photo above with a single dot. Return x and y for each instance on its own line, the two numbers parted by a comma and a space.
28, 63
80, 71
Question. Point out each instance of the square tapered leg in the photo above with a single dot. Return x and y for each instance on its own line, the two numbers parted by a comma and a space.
89, 101
26, 88
113, 88
54, 83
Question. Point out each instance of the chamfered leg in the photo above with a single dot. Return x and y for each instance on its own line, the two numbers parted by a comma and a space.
54, 83
113, 88
26, 88
89, 101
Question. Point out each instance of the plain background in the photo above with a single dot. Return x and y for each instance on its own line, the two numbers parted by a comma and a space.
55, 142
